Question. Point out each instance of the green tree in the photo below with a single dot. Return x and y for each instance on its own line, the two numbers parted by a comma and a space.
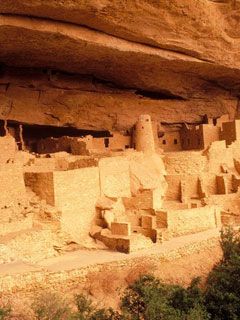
223, 283
149, 299
86, 310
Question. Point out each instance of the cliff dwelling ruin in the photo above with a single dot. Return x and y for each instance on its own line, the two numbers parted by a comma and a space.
119, 126
128, 189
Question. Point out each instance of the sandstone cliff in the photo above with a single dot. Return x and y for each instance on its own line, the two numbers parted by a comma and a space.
98, 64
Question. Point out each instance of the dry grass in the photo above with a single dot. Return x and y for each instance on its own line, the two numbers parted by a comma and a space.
140, 269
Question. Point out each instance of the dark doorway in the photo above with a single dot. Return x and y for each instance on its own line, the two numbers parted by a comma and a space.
106, 142
31, 134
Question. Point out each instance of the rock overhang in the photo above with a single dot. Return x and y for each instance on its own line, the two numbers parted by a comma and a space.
170, 51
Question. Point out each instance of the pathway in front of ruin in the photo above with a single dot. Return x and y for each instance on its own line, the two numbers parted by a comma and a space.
84, 258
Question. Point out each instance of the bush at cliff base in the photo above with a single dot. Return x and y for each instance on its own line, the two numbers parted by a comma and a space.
150, 299
223, 285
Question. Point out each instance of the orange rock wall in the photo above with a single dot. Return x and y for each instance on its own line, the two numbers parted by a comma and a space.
30, 96
106, 62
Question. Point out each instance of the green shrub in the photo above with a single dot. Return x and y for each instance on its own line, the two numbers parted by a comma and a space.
5, 312
223, 283
86, 310
199, 312
149, 299
84, 307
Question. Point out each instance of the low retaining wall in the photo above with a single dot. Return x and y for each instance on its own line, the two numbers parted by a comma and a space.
36, 280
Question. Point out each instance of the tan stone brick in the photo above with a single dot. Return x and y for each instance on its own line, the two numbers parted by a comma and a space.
121, 228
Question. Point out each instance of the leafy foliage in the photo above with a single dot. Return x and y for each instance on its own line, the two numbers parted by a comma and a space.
149, 299
223, 284
5, 312
86, 310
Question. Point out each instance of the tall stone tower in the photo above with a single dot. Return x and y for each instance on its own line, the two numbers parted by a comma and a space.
144, 135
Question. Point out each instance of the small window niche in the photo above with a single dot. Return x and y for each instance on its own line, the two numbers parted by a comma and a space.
106, 142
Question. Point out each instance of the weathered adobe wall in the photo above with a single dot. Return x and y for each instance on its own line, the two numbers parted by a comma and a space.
230, 202
202, 162
42, 184
185, 163
12, 188
192, 185
73, 192
171, 141
181, 222
219, 154
8, 149
190, 168
229, 132
210, 134
182, 186
76, 193
115, 177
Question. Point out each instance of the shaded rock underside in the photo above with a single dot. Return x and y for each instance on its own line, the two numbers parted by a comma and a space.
99, 64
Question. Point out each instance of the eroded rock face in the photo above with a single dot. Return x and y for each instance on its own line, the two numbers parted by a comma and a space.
34, 97
175, 60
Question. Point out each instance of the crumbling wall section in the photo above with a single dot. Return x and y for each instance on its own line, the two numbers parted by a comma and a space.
8, 149
42, 184
12, 188
115, 177
194, 220
76, 193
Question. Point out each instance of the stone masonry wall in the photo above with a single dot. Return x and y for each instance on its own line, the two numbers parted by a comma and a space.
7, 149
47, 280
12, 188
181, 222
76, 193
115, 177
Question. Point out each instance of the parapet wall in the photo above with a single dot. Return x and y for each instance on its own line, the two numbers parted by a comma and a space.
185, 162
115, 177
7, 149
76, 193
73, 192
186, 221
12, 188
